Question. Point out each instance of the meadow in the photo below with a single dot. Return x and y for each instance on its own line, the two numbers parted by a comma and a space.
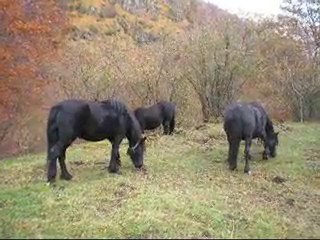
187, 190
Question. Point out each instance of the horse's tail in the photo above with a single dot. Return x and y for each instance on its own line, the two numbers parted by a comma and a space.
52, 139
52, 127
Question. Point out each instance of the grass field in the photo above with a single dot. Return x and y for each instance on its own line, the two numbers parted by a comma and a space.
187, 191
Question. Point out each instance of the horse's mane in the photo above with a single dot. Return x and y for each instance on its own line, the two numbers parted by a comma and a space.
269, 126
116, 105
133, 126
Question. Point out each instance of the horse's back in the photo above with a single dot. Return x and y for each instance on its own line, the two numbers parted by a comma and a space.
76, 110
93, 120
239, 119
246, 118
148, 115
72, 105
108, 119
258, 106
240, 112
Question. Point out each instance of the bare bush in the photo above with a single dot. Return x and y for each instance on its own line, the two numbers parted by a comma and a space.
216, 58
84, 73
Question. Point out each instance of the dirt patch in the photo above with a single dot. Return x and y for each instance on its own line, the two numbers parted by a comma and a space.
313, 159
206, 138
200, 127
77, 163
123, 190
284, 128
290, 202
279, 179
313, 155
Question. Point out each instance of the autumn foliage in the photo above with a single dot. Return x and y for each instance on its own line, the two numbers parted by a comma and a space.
31, 33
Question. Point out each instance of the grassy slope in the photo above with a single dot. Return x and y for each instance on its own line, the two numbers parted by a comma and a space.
186, 192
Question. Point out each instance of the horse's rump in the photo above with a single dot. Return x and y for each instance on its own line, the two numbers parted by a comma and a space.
153, 116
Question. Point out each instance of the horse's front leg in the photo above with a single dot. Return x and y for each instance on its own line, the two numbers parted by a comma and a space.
64, 171
118, 159
115, 157
266, 151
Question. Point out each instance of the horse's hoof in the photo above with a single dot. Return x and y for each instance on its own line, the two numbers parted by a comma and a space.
51, 182
141, 170
232, 168
247, 172
51, 179
66, 177
264, 156
113, 170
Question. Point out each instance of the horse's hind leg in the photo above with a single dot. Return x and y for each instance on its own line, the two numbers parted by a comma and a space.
115, 156
64, 171
172, 125
248, 142
53, 154
234, 145
166, 127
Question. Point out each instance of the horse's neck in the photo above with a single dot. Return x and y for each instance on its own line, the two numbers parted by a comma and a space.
269, 126
133, 133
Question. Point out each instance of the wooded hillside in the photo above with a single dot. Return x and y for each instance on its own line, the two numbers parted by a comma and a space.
142, 51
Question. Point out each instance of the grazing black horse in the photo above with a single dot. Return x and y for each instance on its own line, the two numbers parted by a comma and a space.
160, 113
246, 121
92, 121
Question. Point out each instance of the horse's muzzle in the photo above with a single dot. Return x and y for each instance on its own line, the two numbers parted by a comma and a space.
140, 168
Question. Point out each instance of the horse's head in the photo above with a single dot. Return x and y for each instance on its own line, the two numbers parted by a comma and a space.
136, 153
272, 142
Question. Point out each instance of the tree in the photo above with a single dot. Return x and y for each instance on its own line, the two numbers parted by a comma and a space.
30, 35
301, 21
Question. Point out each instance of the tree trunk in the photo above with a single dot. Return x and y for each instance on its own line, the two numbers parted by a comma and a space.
301, 109
205, 109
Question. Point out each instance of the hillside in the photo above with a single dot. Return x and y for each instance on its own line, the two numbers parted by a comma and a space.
187, 191
142, 21
37, 50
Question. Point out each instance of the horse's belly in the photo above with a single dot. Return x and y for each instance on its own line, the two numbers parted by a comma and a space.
152, 124
94, 138
99, 134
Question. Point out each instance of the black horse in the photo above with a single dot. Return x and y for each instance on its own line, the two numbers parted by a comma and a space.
160, 113
92, 121
246, 121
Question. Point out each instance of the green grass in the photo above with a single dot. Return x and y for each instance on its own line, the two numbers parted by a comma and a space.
187, 191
